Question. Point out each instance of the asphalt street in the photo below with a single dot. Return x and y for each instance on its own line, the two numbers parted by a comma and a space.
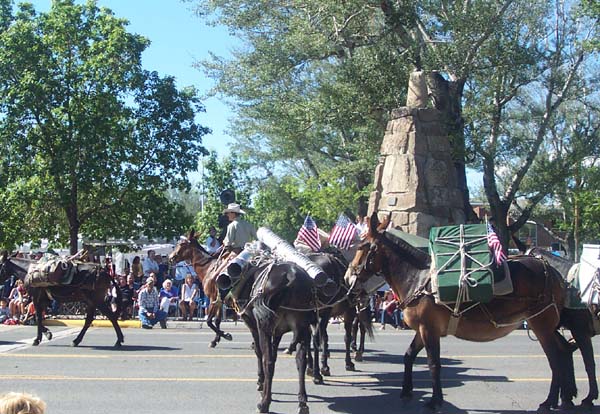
174, 371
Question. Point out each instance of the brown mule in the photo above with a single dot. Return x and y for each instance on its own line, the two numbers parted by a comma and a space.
538, 297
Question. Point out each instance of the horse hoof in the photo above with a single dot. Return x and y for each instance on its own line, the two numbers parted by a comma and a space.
227, 336
303, 409
118, 344
587, 404
544, 409
358, 357
566, 405
350, 367
212, 344
288, 351
433, 406
326, 371
35, 342
262, 408
353, 347
48, 335
75, 343
318, 380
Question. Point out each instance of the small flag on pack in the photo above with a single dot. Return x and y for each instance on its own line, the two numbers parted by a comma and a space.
495, 245
309, 234
343, 233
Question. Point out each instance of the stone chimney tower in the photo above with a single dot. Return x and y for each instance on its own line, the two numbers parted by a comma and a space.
415, 179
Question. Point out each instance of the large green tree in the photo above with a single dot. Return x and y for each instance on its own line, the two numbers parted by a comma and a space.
314, 82
90, 141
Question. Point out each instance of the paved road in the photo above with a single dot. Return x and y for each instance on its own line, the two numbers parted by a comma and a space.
173, 371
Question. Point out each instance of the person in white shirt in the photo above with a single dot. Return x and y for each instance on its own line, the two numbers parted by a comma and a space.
187, 304
149, 265
212, 242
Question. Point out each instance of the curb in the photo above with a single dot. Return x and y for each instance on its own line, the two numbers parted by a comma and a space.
97, 323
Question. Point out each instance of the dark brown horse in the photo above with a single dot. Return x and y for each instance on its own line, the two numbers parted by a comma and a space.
90, 285
538, 297
205, 266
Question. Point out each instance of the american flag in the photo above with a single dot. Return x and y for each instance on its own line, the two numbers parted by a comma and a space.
495, 245
309, 234
343, 233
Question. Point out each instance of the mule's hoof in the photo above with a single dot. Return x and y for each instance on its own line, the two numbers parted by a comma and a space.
212, 344
406, 395
350, 367
566, 405
48, 335
326, 371
587, 404
353, 347
309, 372
262, 408
358, 357
288, 351
544, 409
318, 380
75, 343
36, 342
433, 406
227, 336
303, 409
118, 344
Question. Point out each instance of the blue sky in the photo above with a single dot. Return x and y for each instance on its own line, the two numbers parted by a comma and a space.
179, 38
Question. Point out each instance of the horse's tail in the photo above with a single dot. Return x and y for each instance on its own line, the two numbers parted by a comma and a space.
364, 317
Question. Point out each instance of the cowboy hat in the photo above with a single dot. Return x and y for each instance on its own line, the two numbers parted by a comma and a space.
233, 208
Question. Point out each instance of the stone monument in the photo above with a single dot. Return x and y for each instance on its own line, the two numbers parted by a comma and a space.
415, 179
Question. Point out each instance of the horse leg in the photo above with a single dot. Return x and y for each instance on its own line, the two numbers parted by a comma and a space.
212, 310
251, 324
220, 316
301, 365
325, 370
410, 355
569, 372
112, 316
40, 328
309, 359
558, 363
361, 348
432, 346
355, 325
584, 342
266, 344
89, 317
348, 330
316, 342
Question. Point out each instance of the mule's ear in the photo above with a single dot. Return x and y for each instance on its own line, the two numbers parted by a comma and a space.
191, 234
384, 224
373, 223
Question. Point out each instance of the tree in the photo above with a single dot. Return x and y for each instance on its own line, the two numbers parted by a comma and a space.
90, 141
316, 80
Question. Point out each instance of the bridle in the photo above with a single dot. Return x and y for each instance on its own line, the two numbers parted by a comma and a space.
366, 264
206, 261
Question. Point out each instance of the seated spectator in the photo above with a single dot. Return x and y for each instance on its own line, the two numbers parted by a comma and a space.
18, 299
168, 296
29, 316
127, 295
189, 292
4, 311
149, 311
21, 403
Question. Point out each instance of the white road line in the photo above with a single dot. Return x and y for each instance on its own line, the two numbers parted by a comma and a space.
27, 343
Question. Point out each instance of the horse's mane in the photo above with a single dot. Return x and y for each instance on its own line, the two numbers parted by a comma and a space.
416, 257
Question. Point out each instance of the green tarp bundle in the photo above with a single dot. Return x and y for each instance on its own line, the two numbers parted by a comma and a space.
461, 256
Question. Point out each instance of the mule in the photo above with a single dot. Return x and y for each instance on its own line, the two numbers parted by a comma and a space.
90, 285
538, 297
579, 322
343, 303
283, 299
205, 266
